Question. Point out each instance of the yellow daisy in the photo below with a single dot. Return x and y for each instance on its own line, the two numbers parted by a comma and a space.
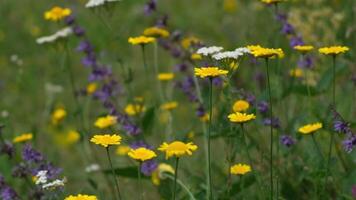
134, 109
165, 76
333, 50
158, 174
23, 138
169, 105
272, 1
91, 88
142, 40
297, 72
240, 169
240, 106
141, 154
105, 122
58, 115
238, 117
106, 140
303, 48
310, 128
209, 72
262, 52
81, 197
122, 150
57, 13
156, 32
177, 148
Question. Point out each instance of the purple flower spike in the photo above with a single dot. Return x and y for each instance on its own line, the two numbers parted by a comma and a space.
7, 193
263, 107
31, 155
287, 140
148, 167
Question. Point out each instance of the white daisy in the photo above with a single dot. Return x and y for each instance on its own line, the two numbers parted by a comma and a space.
41, 177
92, 168
209, 50
243, 50
95, 3
63, 33
54, 184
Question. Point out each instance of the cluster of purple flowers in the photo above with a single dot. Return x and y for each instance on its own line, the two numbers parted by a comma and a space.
6, 192
342, 126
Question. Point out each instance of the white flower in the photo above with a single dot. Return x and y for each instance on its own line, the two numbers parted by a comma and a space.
92, 168
41, 177
54, 184
243, 50
209, 50
95, 3
231, 54
63, 33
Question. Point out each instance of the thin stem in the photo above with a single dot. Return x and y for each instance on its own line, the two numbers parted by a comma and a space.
140, 181
317, 147
144, 60
334, 82
113, 173
191, 196
271, 133
210, 196
175, 178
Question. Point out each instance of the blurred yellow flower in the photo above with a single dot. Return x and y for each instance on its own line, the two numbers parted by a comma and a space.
234, 65
23, 138
177, 148
297, 72
106, 140
333, 50
141, 154
272, 1
169, 105
188, 41
230, 6
122, 150
134, 109
158, 174
156, 32
72, 137
303, 48
142, 40
310, 128
196, 56
91, 88
165, 76
81, 197
57, 13
262, 52
240, 169
105, 122
209, 72
190, 135
241, 117
205, 117
240, 106
58, 115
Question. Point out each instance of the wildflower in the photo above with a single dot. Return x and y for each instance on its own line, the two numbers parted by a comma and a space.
23, 138
178, 149
141, 40
240, 169
54, 184
263, 107
72, 136
310, 128
261, 52
303, 48
91, 88
156, 32
122, 150
274, 122
7, 193
141, 154
230, 6
106, 140
342, 126
30, 155
57, 13
134, 109
169, 105
206, 51
349, 143
81, 197
196, 56
95, 3
165, 76
61, 34
240, 106
158, 174
41, 177
148, 167
104, 122
287, 140
7, 148
241, 117
297, 72
333, 50
150, 6
272, 1
58, 115
209, 72
189, 41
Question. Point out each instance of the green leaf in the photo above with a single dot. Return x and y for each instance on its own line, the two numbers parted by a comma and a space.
128, 172
92, 183
148, 119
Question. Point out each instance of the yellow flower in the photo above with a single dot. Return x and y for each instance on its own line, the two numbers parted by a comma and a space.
122, 150
158, 174
106, 140
141, 154
188, 41
177, 148
303, 48
72, 137
240, 169
81, 197
297, 72
190, 135
272, 1
205, 117
169, 105
23, 138
261, 52
58, 115
310, 128
241, 117
91, 88
134, 109
165, 76
230, 6
209, 72
156, 32
104, 122
234, 65
240, 105
142, 40
333, 50
196, 56
57, 13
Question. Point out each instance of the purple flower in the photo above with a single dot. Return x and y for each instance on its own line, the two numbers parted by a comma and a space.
295, 41
7, 193
31, 155
181, 67
2, 181
148, 167
287, 29
353, 79
100, 73
349, 143
342, 127
85, 46
275, 122
20, 171
69, 20
150, 7
263, 107
140, 143
132, 129
200, 112
287, 140
52, 171
7, 148
305, 62
89, 60
78, 31
353, 191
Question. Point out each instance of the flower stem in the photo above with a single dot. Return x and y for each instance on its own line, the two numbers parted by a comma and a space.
140, 191
210, 190
144, 61
317, 147
175, 178
271, 130
113, 173
191, 196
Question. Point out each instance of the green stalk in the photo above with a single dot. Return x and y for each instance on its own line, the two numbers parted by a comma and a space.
191, 196
140, 191
271, 133
113, 174
175, 179
210, 190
